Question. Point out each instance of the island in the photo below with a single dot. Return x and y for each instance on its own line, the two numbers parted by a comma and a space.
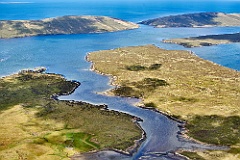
36, 125
182, 86
62, 25
203, 19
208, 40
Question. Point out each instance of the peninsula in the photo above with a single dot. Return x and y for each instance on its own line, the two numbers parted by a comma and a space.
62, 25
183, 86
205, 40
36, 125
204, 19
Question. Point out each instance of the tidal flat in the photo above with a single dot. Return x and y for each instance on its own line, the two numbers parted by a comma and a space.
36, 125
200, 92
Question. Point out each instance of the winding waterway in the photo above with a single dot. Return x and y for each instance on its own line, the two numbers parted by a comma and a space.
65, 54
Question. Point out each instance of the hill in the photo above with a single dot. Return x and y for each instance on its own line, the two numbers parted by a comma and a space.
204, 19
62, 25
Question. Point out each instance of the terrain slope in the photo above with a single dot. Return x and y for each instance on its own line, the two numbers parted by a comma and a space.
62, 25
203, 19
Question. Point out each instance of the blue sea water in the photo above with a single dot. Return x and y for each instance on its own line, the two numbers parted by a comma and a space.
136, 10
65, 54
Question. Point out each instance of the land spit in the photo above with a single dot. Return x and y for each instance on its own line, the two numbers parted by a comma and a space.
208, 40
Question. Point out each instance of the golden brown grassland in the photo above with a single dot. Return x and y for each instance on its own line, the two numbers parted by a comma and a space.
35, 126
183, 85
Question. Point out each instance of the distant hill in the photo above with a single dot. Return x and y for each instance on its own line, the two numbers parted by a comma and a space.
205, 19
205, 40
62, 25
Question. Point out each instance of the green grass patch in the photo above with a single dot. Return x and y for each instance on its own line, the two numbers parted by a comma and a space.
136, 68
185, 99
81, 141
150, 104
215, 129
30, 88
154, 66
126, 91
139, 88
150, 83
234, 150
111, 129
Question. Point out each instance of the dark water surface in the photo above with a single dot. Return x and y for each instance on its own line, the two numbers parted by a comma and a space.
65, 54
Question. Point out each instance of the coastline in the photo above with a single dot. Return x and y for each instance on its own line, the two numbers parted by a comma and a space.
195, 20
208, 40
38, 72
183, 134
132, 149
183, 131
128, 151
63, 25
182, 128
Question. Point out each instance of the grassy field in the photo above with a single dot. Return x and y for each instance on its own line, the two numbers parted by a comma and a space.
35, 126
182, 85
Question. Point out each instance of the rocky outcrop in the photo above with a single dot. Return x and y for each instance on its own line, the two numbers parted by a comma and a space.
62, 25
